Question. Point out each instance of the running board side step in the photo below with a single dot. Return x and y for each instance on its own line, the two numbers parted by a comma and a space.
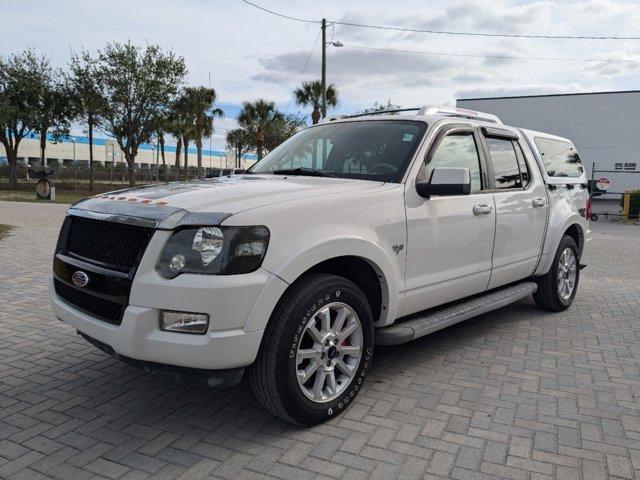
439, 318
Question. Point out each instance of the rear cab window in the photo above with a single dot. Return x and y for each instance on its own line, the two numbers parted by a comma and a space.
506, 167
560, 158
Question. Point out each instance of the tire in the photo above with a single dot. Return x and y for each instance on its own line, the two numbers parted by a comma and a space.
274, 375
548, 295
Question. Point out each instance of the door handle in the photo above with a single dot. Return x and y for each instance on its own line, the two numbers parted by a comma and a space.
538, 202
482, 209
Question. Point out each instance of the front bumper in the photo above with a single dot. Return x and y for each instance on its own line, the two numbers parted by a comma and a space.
196, 376
232, 341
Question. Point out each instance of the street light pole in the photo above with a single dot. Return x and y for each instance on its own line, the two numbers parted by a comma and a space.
324, 67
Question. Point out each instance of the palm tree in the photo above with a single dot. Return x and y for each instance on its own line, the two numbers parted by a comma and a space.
238, 140
258, 119
160, 137
200, 103
186, 138
309, 94
178, 125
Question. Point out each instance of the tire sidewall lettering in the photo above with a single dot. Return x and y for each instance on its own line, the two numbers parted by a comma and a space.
344, 400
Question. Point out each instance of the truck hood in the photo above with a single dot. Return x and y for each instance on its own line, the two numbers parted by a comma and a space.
228, 195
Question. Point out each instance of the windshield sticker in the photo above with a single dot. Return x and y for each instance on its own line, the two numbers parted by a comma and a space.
407, 137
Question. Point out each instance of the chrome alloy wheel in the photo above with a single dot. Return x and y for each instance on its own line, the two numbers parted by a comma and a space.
567, 271
329, 352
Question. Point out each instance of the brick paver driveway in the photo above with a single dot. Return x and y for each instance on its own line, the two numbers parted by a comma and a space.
517, 393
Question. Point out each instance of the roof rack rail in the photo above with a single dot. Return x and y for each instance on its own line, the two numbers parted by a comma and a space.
426, 110
383, 112
332, 118
459, 112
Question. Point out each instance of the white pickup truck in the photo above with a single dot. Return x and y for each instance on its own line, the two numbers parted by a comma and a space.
358, 231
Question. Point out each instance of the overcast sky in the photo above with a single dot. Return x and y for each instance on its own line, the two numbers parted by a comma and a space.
251, 54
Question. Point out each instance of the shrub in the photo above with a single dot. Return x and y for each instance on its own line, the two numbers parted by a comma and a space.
634, 204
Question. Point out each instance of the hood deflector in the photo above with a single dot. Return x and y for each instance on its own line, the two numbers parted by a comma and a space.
160, 217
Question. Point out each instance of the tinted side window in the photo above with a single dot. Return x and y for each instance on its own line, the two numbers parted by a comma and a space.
560, 158
505, 163
458, 150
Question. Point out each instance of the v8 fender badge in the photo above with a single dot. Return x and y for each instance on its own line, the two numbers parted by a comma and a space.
80, 279
398, 248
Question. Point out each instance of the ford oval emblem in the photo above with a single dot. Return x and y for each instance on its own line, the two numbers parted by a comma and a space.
80, 279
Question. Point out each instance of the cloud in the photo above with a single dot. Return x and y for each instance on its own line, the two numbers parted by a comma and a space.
355, 65
500, 17
629, 64
473, 16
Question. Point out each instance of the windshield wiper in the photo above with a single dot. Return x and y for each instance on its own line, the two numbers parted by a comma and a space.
309, 172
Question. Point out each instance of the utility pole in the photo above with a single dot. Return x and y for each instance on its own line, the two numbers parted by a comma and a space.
324, 67
210, 142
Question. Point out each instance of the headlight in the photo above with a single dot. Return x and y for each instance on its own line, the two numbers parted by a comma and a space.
214, 251
209, 242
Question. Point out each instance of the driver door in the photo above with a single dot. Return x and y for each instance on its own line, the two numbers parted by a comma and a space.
450, 238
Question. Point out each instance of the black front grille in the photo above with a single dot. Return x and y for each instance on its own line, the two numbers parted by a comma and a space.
104, 309
112, 244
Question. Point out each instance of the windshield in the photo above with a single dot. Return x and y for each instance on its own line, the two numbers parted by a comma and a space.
369, 150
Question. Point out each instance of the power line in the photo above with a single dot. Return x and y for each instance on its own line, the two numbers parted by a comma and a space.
306, 63
445, 32
483, 34
501, 57
279, 14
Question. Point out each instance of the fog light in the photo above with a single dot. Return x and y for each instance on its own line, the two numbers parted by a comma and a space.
184, 322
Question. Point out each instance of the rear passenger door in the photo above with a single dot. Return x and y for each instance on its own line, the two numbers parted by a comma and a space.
521, 207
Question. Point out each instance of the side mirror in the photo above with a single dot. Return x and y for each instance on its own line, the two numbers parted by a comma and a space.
446, 181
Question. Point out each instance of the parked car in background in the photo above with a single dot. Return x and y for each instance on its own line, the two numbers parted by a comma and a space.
360, 230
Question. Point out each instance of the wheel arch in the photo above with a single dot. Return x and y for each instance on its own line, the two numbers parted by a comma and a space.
361, 261
572, 227
365, 274
576, 232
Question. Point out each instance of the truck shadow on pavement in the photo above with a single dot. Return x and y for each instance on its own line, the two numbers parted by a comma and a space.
405, 372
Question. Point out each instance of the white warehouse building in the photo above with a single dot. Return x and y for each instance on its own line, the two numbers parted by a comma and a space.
604, 126
75, 149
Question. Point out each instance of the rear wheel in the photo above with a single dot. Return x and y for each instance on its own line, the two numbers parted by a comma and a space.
557, 288
316, 350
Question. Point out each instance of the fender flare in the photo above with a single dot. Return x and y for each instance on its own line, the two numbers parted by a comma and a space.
292, 267
553, 240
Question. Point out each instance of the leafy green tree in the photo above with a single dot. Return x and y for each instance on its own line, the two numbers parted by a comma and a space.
84, 79
283, 128
201, 106
380, 107
260, 119
21, 86
309, 94
135, 84
56, 108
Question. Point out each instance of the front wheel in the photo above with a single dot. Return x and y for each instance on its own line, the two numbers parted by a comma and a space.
316, 350
557, 288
